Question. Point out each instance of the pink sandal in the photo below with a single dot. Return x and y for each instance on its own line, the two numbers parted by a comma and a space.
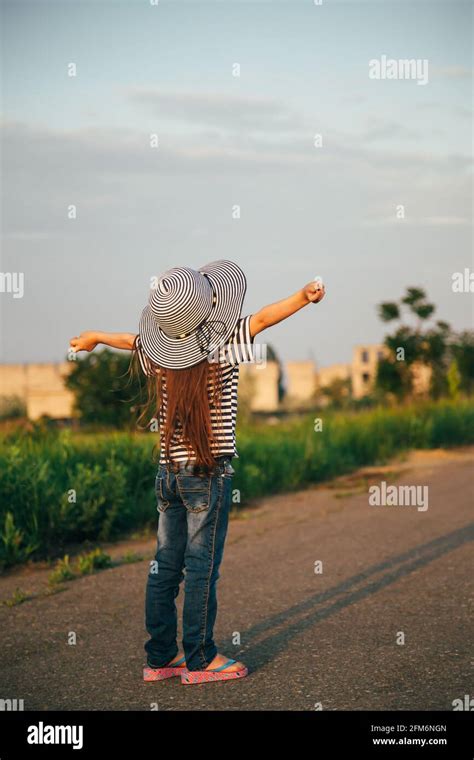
216, 674
159, 674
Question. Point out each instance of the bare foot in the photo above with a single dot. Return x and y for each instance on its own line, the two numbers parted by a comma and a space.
219, 660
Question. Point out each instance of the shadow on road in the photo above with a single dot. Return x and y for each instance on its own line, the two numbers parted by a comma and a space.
399, 566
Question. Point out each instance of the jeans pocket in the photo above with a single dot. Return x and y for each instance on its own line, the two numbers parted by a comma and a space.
163, 503
195, 491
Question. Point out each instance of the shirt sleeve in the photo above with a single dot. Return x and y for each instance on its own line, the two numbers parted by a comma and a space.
240, 345
148, 367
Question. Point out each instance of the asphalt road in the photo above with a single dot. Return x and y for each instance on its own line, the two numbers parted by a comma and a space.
329, 638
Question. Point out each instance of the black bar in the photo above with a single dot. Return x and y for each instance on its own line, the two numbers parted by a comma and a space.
447, 734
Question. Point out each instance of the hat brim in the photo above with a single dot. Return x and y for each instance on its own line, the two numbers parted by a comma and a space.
230, 285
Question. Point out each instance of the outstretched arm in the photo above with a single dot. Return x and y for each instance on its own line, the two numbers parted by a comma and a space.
276, 312
87, 341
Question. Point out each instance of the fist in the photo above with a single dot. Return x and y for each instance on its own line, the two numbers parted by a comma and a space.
86, 341
314, 292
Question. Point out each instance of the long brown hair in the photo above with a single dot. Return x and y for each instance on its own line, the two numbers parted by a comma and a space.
189, 395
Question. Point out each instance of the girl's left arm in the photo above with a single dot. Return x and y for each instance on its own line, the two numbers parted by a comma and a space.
87, 341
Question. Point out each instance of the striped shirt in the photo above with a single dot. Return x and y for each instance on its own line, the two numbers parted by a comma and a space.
237, 350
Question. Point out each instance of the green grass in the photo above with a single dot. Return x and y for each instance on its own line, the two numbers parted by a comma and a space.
85, 564
278, 459
60, 488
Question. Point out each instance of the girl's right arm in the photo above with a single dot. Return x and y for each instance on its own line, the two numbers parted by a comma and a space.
88, 340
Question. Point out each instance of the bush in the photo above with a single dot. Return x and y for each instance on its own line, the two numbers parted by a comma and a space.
57, 487
12, 407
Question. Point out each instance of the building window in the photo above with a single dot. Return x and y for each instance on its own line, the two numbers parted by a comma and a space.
380, 355
365, 357
365, 377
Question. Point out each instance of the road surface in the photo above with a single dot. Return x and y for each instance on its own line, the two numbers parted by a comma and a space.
386, 625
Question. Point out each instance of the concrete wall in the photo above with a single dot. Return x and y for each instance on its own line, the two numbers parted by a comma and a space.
301, 381
421, 375
364, 368
258, 386
14, 380
40, 386
326, 375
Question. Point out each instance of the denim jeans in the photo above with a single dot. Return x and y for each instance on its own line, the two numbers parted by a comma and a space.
193, 513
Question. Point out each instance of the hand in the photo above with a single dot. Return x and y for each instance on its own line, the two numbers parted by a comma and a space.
314, 292
86, 341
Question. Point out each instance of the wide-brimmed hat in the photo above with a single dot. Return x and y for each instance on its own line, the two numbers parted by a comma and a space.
192, 313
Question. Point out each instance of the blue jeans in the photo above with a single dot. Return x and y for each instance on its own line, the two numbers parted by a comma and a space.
193, 513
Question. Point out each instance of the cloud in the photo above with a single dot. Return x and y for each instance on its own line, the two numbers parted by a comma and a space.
453, 111
114, 174
382, 129
217, 109
355, 99
66, 157
464, 113
443, 221
452, 72
30, 236
424, 221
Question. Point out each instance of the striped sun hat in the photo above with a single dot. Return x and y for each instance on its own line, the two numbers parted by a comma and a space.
191, 313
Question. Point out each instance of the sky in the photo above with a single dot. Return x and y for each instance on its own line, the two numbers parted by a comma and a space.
382, 201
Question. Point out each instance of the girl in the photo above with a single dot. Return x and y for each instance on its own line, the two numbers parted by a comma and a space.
190, 343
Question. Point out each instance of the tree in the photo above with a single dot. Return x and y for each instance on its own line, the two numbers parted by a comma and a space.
392, 378
103, 395
337, 392
413, 344
454, 379
462, 349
